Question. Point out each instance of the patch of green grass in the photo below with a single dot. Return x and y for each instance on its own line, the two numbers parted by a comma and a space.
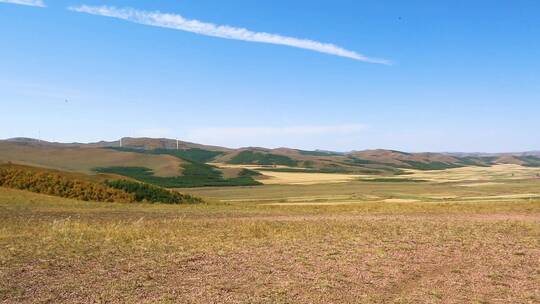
371, 166
308, 164
530, 161
436, 165
319, 153
194, 154
359, 161
400, 152
248, 173
476, 161
153, 194
194, 175
258, 158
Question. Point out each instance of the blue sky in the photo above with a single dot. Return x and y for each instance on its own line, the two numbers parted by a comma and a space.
463, 75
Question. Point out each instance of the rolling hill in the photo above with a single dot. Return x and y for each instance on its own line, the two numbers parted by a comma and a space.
176, 164
83, 158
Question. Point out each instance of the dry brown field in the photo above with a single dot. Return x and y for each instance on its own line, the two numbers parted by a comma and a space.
349, 242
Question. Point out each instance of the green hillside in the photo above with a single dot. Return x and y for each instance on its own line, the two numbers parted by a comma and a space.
193, 154
195, 173
259, 158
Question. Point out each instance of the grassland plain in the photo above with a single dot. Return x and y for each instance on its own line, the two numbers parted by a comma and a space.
354, 242
283, 175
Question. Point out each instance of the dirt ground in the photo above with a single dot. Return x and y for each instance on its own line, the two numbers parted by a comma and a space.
62, 251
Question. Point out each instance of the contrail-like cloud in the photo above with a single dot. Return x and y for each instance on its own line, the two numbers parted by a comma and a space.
38, 3
177, 22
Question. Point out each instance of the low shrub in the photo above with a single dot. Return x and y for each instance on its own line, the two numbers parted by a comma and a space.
153, 194
59, 184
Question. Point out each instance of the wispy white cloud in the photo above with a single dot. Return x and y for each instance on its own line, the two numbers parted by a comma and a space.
178, 22
38, 3
341, 136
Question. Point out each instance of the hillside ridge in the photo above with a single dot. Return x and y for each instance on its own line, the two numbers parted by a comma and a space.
170, 161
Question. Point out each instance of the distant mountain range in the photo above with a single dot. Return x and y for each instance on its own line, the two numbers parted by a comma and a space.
167, 158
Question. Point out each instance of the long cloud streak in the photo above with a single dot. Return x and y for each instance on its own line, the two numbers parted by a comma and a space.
178, 22
38, 3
